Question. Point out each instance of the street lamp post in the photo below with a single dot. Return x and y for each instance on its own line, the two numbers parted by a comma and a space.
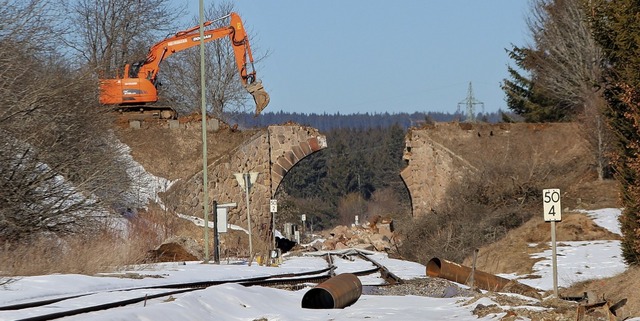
203, 103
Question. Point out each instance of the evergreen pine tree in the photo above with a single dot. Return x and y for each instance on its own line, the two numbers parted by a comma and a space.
616, 26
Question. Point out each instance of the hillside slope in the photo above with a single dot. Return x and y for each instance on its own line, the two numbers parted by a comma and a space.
177, 153
512, 254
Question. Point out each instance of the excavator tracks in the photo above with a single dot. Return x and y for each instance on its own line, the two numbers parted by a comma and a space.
144, 113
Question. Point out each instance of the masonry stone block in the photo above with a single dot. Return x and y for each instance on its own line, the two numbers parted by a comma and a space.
291, 157
134, 124
306, 149
285, 163
298, 153
213, 125
278, 172
314, 144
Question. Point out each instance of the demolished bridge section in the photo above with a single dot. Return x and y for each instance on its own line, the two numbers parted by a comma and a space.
271, 152
441, 154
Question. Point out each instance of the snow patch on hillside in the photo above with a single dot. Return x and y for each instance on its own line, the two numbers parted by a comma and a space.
606, 217
146, 186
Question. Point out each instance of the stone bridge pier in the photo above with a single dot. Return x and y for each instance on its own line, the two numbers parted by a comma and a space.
271, 152
441, 154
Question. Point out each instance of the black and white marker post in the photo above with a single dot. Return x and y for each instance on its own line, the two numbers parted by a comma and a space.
553, 214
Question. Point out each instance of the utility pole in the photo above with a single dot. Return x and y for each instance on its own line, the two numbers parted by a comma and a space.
203, 110
470, 102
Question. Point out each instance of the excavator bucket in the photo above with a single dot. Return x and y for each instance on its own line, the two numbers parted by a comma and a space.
260, 96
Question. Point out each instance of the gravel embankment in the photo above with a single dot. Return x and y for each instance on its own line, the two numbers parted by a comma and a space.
431, 287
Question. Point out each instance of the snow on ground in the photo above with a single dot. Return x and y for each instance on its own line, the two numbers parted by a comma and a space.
577, 261
606, 217
580, 260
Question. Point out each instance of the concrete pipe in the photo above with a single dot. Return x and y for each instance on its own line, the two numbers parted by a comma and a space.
461, 274
338, 292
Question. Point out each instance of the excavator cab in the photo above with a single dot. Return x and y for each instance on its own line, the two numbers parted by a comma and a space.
260, 96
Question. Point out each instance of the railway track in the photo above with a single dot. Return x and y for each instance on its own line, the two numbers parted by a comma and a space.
72, 305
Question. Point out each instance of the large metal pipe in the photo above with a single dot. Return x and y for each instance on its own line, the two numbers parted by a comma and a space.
337, 292
461, 274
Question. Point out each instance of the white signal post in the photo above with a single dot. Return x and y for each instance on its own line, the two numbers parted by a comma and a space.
246, 180
552, 213
304, 224
273, 208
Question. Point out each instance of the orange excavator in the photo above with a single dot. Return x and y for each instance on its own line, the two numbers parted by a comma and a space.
136, 92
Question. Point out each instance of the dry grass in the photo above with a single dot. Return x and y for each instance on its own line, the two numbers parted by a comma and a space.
173, 153
614, 289
81, 255
494, 258
106, 251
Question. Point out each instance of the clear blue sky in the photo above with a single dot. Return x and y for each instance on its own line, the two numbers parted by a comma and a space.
357, 56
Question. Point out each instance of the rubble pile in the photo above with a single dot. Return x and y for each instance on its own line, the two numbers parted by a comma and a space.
376, 235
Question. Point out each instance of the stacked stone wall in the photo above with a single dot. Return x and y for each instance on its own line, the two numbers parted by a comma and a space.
271, 153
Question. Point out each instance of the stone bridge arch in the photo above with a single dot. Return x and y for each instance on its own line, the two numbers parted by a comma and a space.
271, 152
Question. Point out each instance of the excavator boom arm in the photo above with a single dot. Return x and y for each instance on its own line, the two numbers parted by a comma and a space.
115, 91
191, 37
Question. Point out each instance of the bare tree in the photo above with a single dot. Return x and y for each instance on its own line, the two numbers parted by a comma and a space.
567, 64
567, 58
109, 33
599, 135
58, 166
32, 23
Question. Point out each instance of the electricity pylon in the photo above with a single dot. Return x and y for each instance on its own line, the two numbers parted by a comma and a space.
470, 102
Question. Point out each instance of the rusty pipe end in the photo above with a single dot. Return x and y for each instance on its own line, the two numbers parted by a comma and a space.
433, 267
338, 292
318, 298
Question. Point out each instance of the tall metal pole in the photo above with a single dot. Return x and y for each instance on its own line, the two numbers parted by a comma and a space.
554, 259
247, 185
203, 110
552, 213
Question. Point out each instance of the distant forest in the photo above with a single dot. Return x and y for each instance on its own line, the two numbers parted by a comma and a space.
326, 122
357, 174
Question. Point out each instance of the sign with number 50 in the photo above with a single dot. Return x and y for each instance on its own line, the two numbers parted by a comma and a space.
551, 205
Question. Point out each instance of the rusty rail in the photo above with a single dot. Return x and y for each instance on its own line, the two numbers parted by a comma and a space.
387, 275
